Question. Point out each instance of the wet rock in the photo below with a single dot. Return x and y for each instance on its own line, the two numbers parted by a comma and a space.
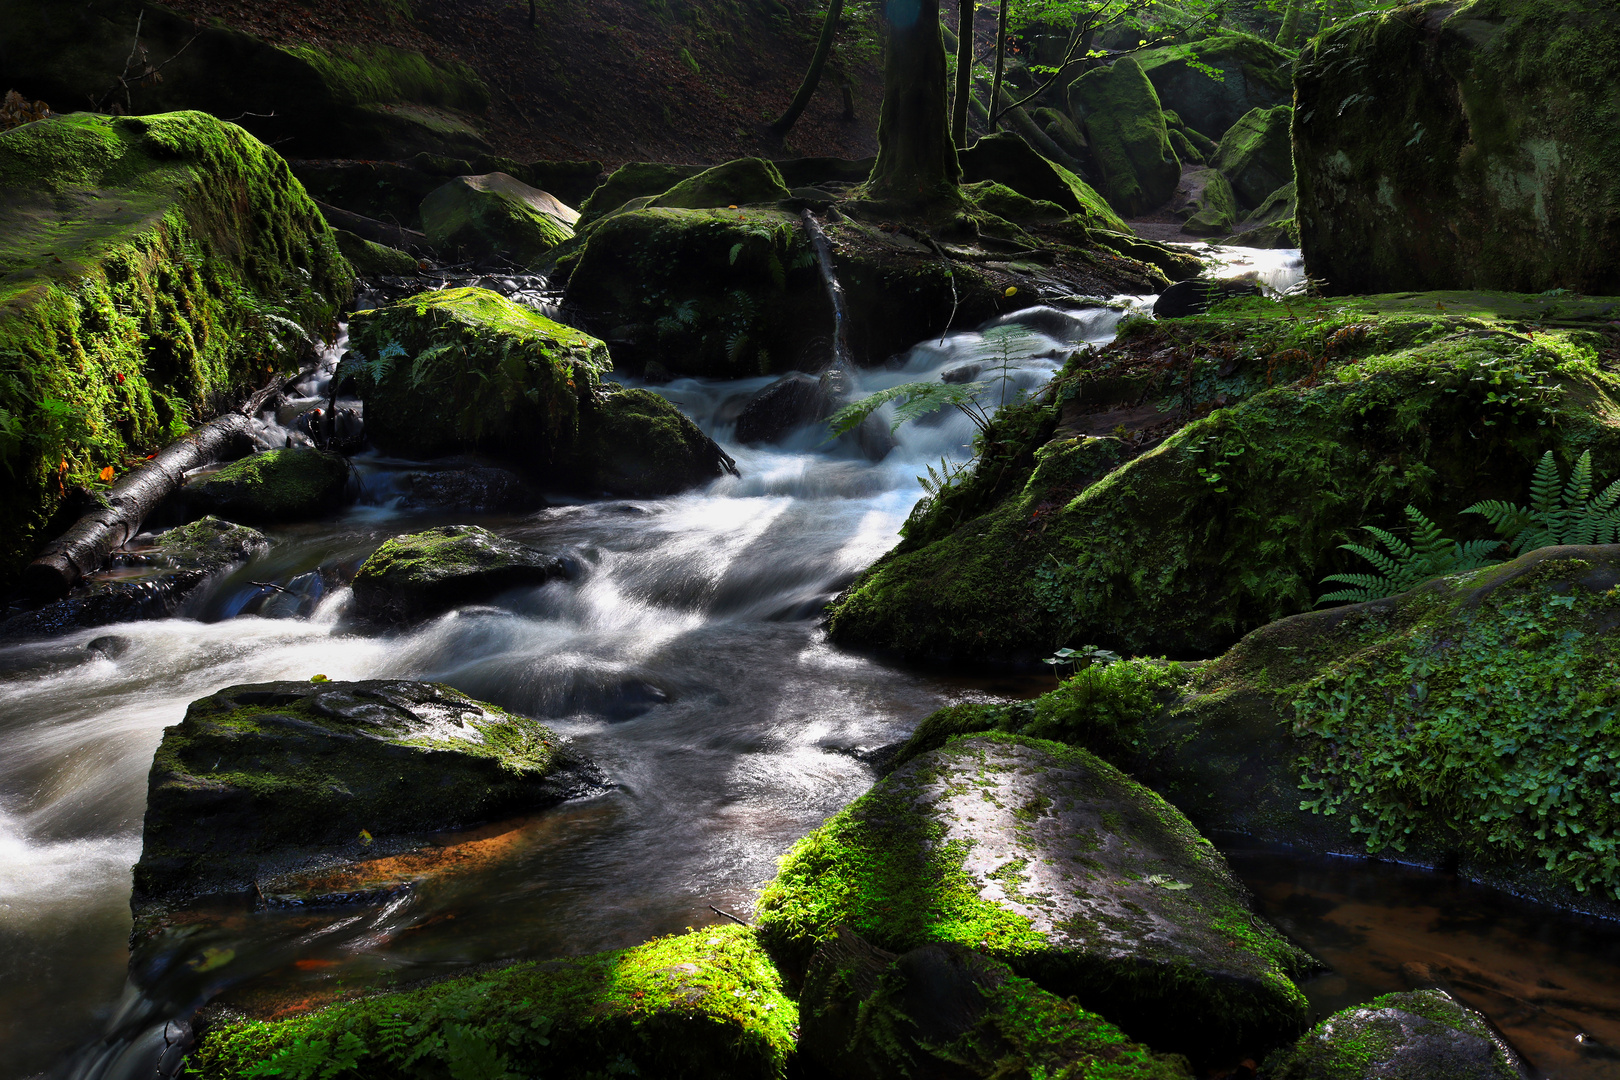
944, 1010
704, 1005
261, 779
1052, 861
635, 443
1256, 154
1007, 159
477, 489
373, 260
466, 369
1205, 202
1466, 146
421, 574
495, 214
106, 218
1271, 224
276, 486
1254, 74
145, 580
789, 403
1125, 128
735, 183
1421, 1035
1198, 295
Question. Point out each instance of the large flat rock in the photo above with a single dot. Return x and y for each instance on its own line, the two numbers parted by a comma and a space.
1048, 858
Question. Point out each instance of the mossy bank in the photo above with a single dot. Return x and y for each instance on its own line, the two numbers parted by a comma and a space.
151, 269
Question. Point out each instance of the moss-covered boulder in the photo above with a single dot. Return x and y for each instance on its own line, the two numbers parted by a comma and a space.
1256, 154
1195, 480
144, 263
1422, 1035
1004, 202
466, 369
371, 260
1051, 860
1271, 224
276, 486
264, 778
1129, 142
1253, 74
735, 183
495, 214
637, 180
943, 1009
1463, 146
424, 573
1008, 160
704, 1005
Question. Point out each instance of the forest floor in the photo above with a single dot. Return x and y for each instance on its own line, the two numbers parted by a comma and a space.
619, 80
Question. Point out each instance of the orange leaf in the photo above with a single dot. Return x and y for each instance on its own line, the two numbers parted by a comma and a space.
107, 474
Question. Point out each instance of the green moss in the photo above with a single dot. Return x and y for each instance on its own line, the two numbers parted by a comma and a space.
371, 260
1462, 146
276, 486
1250, 73
147, 263
707, 1003
1215, 210
1281, 428
735, 183
423, 573
1404, 1031
462, 368
1126, 131
1007, 159
384, 75
908, 864
1255, 154
637, 443
256, 775
1004, 202
496, 214
1184, 148
637, 180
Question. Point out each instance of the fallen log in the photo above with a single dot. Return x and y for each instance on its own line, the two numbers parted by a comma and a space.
378, 232
85, 546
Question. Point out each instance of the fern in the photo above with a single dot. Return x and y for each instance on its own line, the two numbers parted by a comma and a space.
912, 400
1560, 512
317, 1060
1401, 565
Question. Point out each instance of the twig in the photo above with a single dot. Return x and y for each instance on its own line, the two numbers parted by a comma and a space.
272, 585
729, 915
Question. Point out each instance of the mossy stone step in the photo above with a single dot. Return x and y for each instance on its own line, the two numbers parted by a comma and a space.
704, 1005
421, 574
1053, 861
268, 777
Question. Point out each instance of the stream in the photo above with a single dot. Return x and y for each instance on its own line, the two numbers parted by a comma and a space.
684, 656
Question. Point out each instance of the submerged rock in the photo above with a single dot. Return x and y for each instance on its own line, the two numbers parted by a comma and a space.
420, 574
1422, 1035
264, 778
1049, 859
1126, 131
704, 1005
789, 403
1463, 146
144, 580
470, 488
276, 486
477, 216
944, 1010
1131, 509
138, 252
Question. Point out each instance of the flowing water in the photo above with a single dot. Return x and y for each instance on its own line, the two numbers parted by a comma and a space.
683, 656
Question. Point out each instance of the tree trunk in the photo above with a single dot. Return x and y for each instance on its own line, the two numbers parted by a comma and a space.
829, 30
1288, 34
915, 161
964, 73
1001, 65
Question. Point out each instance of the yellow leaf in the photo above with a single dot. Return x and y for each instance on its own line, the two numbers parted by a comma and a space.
319, 678
1012, 290
210, 959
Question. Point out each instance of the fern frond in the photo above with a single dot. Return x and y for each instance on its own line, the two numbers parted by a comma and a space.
1579, 488
1507, 519
1544, 486
912, 400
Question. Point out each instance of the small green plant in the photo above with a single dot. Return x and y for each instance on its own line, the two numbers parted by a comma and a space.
1559, 512
1403, 565
1075, 659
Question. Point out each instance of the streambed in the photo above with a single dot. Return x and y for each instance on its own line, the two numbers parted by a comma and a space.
683, 656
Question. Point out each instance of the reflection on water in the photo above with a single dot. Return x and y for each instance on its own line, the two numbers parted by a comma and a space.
1547, 979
